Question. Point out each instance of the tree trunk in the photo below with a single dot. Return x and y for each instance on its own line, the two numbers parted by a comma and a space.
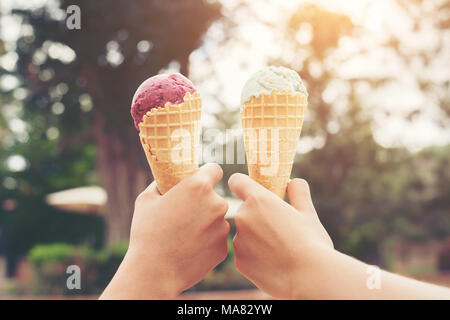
122, 174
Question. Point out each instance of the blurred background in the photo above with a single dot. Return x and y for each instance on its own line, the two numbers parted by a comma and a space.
375, 145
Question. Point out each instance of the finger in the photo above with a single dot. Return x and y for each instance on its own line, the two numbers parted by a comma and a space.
220, 206
152, 189
242, 254
300, 196
204, 178
210, 172
242, 186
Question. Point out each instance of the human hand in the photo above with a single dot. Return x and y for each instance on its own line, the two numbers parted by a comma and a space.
276, 242
176, 238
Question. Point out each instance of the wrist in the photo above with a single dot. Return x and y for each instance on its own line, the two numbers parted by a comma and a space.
138, 277
333, 275
151, 275
312, 270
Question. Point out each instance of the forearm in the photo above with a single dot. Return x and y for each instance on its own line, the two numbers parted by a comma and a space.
134, 281
338, 276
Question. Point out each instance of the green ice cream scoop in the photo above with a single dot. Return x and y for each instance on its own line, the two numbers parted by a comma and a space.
272, 78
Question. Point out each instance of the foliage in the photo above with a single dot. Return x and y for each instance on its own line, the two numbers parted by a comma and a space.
97, 267
41, 255
80, 82
28, 220
108, 28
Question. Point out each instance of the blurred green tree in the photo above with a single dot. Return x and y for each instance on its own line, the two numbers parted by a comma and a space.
364, 193
82, 81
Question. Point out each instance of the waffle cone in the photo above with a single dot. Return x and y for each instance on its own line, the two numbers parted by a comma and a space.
272, 125
170, 138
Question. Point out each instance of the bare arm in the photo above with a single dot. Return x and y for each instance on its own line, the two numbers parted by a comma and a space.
338, 276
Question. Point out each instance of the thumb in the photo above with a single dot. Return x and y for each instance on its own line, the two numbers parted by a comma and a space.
238, 184
300, 196
151, 191
242, 186
210, 174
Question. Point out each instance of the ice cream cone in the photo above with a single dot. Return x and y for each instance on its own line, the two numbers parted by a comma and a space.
272, 125
170, 137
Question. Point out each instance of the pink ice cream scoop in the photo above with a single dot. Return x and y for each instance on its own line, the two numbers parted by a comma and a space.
157, 91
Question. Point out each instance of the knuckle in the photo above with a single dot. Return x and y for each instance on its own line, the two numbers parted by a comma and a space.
231, 180
224, 251
138, 198
200, 185
221, 207
216, 167
242, 219
226, 228
330, 242
238, 221
222, 233
235, 244
253, 199
142, 197
302, 183
221, 247
255, 202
